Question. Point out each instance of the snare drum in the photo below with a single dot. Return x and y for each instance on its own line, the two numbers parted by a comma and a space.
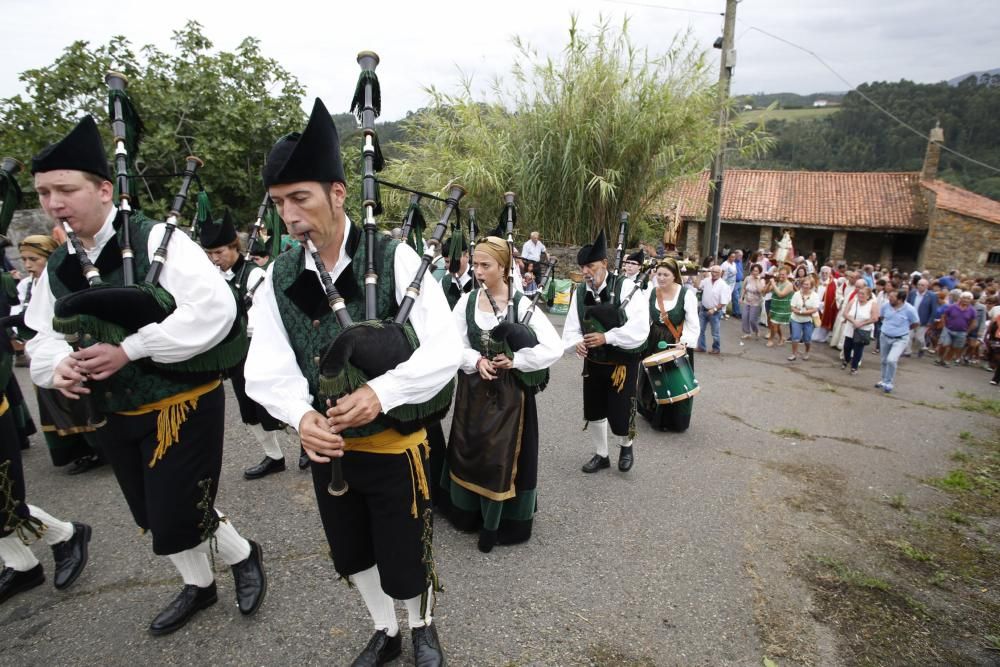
671, 376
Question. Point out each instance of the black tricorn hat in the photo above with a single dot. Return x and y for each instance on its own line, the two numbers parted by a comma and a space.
312, 155
637, 257
80, 150
220, 232
593, 252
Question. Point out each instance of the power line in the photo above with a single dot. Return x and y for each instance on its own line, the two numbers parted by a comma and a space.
815, 55
672, 9
865, 97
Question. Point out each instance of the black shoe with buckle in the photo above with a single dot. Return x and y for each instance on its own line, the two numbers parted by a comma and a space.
426, 647
381, 649
625, 459
264, 468
71, 556
13, 582
251, 582
182, 608
596, 463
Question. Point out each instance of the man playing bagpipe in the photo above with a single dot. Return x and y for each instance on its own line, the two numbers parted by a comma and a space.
379, 531
610, 337
219, 240
21, 523
164, 418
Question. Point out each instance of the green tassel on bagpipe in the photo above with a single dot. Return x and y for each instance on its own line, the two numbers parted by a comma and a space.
358, 101
134, 130
275, 227
203, 215
417, 226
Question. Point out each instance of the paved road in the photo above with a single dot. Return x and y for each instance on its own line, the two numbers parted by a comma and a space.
687, 560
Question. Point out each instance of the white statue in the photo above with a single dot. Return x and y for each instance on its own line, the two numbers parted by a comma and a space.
784, 252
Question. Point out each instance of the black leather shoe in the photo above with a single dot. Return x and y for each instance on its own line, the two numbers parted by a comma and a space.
625, 459
13, 582
596, 463
189, 602
71, 556
487, 540
303, 459
380, 650
251, 582
84, 464
264, 468
426, 647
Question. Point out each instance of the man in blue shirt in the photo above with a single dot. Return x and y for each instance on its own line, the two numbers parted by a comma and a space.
924, 302
949, 281
898, 319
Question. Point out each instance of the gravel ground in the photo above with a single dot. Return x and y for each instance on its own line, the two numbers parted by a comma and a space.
686, 560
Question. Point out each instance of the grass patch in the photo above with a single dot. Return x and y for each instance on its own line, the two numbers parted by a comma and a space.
956, 517
956, 480
960, 457
911, 551
974, 403
852, 577
792, 433
897, 502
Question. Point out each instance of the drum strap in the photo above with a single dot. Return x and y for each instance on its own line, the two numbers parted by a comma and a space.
665, 318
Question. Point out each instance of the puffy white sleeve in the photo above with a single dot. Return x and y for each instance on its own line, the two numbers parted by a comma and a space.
469, 356
47, 348
549, 347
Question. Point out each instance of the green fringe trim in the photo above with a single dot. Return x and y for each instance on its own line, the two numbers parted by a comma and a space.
358, 101
335, 386
22, 526
209, 518
533, 379
440, 401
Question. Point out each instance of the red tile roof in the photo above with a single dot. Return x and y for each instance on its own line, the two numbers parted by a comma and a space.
889, 201
963, 202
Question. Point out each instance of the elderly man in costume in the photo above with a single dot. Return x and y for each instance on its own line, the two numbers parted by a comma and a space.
610, 342
164, 429
379, 531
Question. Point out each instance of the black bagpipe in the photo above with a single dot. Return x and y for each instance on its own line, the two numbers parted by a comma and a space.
365, 350
244, 274
509, 218
127, 129
512, 335
622, 240
107, 313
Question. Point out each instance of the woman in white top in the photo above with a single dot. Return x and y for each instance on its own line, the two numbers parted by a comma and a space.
805, 304
859, 326
492, 468
673, 316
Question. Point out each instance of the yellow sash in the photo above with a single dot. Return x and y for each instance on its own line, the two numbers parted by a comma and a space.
172, 414
391, 441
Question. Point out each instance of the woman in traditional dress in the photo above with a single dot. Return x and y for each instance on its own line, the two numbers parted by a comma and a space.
492, 468
673, 316
827, 290
64, 422
781, 311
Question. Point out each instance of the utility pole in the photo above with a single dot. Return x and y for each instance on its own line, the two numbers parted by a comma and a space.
710, 242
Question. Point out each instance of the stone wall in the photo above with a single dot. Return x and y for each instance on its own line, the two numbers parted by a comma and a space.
958, 242
25, 223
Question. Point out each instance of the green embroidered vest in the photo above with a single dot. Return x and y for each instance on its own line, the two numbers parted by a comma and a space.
138, 382
310, 323
481, 342
606, 353
659, 331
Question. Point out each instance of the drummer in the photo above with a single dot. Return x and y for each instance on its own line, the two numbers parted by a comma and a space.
673, 314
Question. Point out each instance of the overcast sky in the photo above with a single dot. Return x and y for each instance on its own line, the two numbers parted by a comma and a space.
428, 42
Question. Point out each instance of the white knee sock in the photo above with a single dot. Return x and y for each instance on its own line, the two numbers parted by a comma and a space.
599, 436
413, 610
380, 605
623, 441
233, 547
56, 531
268, 440
15, 554
194, 568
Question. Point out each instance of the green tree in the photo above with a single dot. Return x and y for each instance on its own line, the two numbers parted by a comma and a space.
604, 127
227, 108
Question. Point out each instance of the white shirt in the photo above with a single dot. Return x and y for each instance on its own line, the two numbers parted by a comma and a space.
629, 336
273, 376
253, 279
692, 325
860, 312
22, 295
544, 354
532, 251
715, 293
204, 315
729, 273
